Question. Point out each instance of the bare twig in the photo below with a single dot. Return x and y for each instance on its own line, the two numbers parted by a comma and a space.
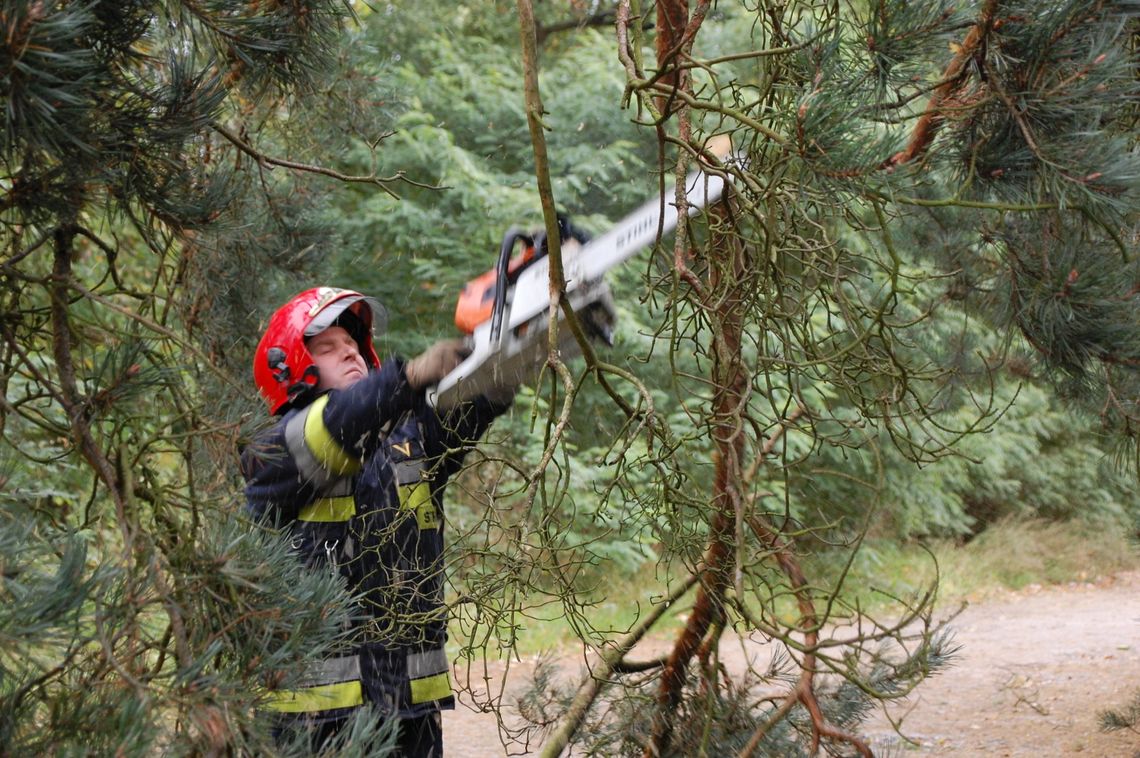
267, 161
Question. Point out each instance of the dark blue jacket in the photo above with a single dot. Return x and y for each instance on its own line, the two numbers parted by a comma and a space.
357, 476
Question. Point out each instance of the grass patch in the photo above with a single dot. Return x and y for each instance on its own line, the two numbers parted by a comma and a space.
1008, 556
1014, 555
611, 606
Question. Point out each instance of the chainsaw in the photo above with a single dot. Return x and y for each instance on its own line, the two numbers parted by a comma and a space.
505, 311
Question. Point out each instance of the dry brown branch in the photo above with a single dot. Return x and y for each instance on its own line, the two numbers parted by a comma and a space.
927, 126
730, 389
672, 23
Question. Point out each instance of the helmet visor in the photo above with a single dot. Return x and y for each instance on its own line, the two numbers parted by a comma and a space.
356, 304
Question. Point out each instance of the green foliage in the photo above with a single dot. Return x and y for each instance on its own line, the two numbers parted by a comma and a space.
930, 232
463, 146
252, 618
1127, 717
142, 229
1067, 68
45, 587
1029, 463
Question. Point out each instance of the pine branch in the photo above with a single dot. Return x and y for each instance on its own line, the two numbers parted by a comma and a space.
69, 394
952, 78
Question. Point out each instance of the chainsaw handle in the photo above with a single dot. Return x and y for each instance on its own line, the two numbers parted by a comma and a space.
502, 272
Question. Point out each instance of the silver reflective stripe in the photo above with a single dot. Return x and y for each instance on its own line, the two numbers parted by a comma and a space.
341, 487
307, 464
328, 483
331, 671
427, 663
409, 472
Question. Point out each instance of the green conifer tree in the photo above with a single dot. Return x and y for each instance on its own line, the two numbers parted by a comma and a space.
853, 124
158, 178
159, 170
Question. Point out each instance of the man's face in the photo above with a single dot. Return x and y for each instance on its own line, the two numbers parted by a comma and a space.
337, 357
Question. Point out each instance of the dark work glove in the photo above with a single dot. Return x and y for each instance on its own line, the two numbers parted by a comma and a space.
436, 362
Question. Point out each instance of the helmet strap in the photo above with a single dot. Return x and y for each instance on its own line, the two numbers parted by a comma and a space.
307, 384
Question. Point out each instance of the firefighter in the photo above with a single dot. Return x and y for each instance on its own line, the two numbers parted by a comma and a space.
355, 468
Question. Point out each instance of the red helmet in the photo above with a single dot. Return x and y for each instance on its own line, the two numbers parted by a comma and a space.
283, 367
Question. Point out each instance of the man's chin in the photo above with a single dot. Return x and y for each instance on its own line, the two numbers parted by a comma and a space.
350, 378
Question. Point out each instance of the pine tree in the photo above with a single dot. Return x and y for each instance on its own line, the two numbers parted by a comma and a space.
162, 182
144, 227
1008, 130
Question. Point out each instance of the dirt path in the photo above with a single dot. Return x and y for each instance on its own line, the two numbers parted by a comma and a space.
1035, 669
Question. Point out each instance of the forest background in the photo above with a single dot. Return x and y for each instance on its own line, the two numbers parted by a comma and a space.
917, 320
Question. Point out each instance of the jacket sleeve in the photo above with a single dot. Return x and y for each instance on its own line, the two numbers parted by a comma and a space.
274, 491
350, 423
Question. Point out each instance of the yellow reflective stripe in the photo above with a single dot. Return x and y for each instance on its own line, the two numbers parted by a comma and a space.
323, 697
329, 509
431, 688
417, 497
324, 448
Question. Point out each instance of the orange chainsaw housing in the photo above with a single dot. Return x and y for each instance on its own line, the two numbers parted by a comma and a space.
477, 300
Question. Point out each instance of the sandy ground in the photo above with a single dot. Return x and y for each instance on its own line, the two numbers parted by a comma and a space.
1035, 669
